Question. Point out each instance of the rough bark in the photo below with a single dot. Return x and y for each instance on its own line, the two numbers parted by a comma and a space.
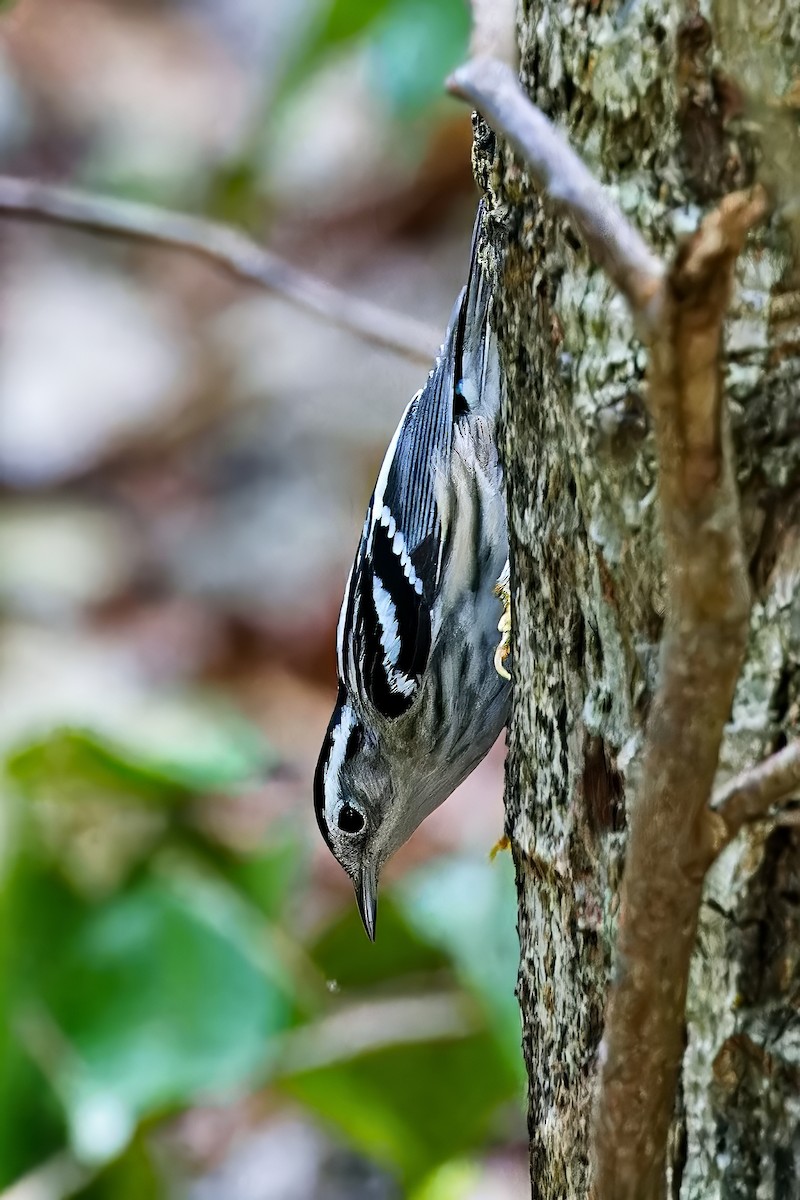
671, 107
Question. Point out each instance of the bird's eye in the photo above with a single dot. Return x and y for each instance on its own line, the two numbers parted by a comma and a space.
350, 820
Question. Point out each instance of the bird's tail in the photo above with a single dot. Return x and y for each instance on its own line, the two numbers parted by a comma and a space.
478, 377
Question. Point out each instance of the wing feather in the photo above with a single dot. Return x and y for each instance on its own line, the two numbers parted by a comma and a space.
425, 436
386, 622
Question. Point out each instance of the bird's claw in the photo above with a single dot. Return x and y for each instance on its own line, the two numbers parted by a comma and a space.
503, 590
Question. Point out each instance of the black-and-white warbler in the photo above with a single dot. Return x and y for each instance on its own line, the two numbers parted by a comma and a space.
420, 702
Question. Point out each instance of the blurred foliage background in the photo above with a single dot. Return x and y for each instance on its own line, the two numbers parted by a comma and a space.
188, 1005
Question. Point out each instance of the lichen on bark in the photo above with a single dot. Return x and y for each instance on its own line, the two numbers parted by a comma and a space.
652, 98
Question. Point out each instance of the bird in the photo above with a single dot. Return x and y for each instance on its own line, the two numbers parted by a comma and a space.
423, 692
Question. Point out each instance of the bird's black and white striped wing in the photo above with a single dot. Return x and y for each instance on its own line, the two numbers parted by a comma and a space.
384, 636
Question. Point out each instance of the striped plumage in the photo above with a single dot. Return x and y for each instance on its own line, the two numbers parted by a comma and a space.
420, 702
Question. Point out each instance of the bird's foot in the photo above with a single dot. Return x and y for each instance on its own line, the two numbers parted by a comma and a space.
499, 847
503, 590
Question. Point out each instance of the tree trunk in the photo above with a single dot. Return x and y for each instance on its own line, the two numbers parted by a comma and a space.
671, 107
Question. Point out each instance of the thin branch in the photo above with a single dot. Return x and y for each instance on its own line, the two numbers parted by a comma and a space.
226, 248
680, 312
749, 797
371, 1026
492, 87
705, 635
55, 1179
494, 30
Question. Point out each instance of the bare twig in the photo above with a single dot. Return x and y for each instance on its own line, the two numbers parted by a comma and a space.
374, 1025
749, 797
494, 30
55, 1179
492, 87
680, 313
225, 247
705, 635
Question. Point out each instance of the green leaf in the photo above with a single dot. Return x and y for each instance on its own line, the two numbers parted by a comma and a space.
413, 48
167, 993
412, 45
130, 1005
177, 748
415, 1105
412, 1107
467, 909
103, 800
349, 961
452, 1181
132, 1176
340, 21
270, 874
345, 19
36, 913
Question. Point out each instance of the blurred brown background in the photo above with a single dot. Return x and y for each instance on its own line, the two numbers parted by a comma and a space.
184, 467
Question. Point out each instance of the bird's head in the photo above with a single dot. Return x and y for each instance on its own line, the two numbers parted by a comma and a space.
360, 804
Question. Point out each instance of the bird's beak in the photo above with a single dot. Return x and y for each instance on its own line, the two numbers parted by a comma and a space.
366, 885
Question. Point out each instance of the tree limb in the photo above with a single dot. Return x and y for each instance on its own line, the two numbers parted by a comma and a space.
492, 87
705, 635
680, 313
226, 248
749, 797
494, 30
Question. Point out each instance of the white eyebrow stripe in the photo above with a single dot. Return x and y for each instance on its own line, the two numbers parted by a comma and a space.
340, 630
335, 762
